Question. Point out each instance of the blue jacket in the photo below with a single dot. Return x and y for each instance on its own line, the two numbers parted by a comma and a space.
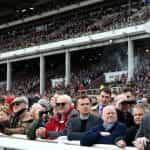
95, 135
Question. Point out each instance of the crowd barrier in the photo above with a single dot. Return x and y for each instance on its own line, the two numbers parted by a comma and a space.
94, 92
22, 143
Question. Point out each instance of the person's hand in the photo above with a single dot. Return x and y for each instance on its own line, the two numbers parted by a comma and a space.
41, 132
118, 103
37, 112
140, 143
121, 143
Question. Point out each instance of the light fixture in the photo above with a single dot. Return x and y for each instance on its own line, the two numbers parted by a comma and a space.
23, 10
31, 8
147, 50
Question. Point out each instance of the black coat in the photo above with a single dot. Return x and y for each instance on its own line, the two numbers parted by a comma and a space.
125, 117
144, 130
73, 128
95, 135
130, 135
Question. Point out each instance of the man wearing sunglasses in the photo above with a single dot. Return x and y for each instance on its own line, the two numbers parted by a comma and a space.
57, 124
21, 118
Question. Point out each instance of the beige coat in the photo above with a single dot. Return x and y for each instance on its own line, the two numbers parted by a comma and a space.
23, 122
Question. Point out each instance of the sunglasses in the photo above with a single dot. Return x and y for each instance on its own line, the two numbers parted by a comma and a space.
60, 104
16, 104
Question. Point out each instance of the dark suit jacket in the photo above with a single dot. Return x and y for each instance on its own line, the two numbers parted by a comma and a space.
95, 136
144, 130
125, 117
74, 126
130, 134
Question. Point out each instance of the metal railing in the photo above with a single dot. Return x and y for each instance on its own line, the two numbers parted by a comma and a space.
20, 142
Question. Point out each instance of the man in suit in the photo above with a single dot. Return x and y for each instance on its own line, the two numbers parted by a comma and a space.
77, 126
104, 99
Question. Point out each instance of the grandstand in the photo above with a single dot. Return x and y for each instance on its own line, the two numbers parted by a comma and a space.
40, 32
73, 47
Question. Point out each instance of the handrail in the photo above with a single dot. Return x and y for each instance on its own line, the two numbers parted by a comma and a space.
22, 143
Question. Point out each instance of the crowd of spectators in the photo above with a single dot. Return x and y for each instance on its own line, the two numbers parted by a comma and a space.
53, 115
28, 83
106, 121
76, 23
25, 81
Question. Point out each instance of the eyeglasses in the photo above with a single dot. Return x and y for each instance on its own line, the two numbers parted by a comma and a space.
60, 104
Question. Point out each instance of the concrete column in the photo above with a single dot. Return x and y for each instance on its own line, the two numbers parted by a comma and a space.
42, 74
130, 59
9, 76
67, 66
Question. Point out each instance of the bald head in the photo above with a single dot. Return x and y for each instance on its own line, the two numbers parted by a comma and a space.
109, 114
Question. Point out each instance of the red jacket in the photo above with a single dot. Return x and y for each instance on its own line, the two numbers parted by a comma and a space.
57, 123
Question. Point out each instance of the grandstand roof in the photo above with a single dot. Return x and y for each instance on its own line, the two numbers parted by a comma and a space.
11, 6
12, 10
15, 9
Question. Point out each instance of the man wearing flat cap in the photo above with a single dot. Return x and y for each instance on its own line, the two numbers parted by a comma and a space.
21, 118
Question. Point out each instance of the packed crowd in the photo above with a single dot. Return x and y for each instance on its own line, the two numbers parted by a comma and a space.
76, 23
88, 77
111, 117
113, 120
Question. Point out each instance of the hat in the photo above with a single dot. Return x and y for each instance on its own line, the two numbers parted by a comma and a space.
9, 99
20, 99
44, 103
